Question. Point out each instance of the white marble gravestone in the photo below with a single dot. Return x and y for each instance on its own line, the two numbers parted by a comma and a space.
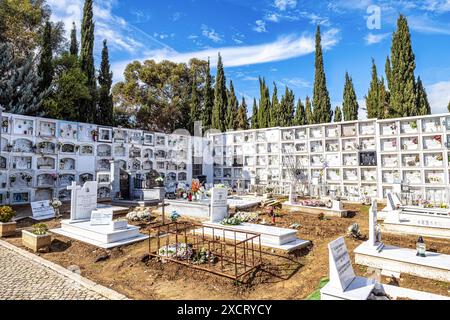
374, 229
94, 225
42, 210
345, 285
341, 270
219, 205
83, 200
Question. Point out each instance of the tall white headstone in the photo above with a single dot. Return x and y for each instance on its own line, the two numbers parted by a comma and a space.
219, 205
292, 195
83, 200
374, 230
341, 270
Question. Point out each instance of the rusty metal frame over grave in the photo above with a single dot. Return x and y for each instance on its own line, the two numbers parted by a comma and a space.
238, 256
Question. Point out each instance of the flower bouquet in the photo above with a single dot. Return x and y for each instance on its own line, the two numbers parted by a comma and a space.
195, 188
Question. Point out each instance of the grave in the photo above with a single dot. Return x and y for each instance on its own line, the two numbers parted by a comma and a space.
212, 209
400, 219
345, 285
273, 237
336, 209
393, 260
42, 210
93, 224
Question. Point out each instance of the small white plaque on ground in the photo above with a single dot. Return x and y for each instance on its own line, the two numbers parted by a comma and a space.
42, 210
341, 270
101, 218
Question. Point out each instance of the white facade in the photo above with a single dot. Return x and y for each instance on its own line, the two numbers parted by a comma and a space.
40, 157
365, 157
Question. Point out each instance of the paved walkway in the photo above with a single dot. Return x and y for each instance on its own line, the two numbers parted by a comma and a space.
24, 276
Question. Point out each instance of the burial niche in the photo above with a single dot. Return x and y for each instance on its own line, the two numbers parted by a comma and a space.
67, 164
22, 145
46, 163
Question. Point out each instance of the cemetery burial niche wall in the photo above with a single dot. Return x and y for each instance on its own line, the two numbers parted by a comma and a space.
40, 157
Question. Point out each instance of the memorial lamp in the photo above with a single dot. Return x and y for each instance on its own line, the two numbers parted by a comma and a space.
421, 247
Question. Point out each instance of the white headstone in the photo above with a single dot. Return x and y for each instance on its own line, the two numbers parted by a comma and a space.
83, 200
341, 270
337, 205
374, 230
219, 205
42, 210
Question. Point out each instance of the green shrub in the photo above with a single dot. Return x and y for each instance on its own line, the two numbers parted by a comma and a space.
40, 229
6, 214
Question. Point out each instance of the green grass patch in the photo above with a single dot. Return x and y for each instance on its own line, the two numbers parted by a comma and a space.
364, 209
316, 294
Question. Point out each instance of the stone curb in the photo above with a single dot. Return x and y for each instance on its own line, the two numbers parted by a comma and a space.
88, 284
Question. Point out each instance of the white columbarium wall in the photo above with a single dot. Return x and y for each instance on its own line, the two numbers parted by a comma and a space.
40, 157
411, 150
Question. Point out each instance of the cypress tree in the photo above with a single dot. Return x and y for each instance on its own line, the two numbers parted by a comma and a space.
383, 98
87, 111
300, 115
105, 102
232, 110
45, 68
241, 119
321, 99
402, 80
193, 106
308, 111
275, 108
388, 71
264, 105
220, 99
287, 108
350, 102
448, 106
423, 106
254, 120
73, 40
372, 98
337, 114
19, 83
208, 95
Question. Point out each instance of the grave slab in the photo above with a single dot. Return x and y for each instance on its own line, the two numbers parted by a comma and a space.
272, 237
345, 285
426, 226
99, 236
403, 260
314, 210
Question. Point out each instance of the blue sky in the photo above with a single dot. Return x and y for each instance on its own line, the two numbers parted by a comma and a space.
274, 39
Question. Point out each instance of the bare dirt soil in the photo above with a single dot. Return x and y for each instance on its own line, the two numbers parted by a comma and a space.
129, 270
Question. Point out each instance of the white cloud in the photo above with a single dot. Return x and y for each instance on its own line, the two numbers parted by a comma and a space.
285, 4
238, 38
121, 36
284, 48
424, 24
297, 83
250, 78
371, 38
439, 96
272, 17
211, 34
260, 26
437, 5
